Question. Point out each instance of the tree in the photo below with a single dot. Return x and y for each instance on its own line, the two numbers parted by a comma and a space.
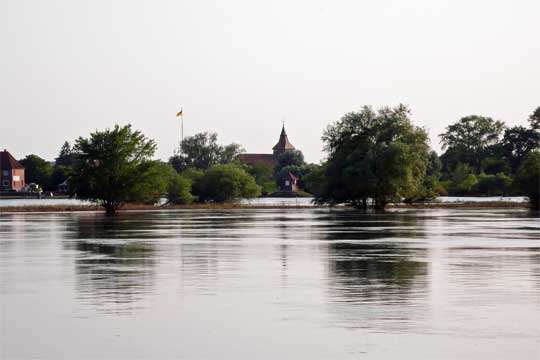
534, 119
470, 137
113, 167
37, 170
59, 174
66, 157
290, 158
517, 142
178, 190
527, 178
202, 151
227, 182
463, 180
374, 154
493, 185
263, 174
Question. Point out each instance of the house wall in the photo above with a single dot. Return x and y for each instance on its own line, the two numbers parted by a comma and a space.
18, 179
12, 179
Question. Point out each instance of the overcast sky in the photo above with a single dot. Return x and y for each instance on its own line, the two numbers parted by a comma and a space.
240, 67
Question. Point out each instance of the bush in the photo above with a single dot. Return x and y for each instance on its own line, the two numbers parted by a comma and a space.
493, 185
178, 190
228, 182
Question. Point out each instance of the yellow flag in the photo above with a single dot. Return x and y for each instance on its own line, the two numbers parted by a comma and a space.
180, 113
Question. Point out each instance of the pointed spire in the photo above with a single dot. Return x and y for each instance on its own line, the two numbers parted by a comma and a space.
283, 143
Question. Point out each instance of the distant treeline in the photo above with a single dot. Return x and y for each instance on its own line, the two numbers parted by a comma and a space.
374, 157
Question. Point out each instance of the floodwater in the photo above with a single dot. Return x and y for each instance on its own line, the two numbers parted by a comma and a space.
270, 284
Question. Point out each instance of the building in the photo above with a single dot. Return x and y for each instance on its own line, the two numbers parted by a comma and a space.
269, 159
11, 173
290, 183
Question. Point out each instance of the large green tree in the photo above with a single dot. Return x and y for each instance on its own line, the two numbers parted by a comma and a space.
37, 170
113, 167
469, 139
378, 155
202, 151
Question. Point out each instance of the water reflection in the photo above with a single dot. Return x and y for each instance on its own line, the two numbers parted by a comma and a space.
337, 283
115, 262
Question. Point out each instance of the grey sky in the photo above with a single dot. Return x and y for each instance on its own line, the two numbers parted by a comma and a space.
240, 67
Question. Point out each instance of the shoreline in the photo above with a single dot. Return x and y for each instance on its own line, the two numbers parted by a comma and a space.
231, 206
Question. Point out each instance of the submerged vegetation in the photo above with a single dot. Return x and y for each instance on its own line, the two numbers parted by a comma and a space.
375, 157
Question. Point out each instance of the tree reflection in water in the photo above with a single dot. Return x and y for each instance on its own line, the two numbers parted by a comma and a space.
115, 265
373, 262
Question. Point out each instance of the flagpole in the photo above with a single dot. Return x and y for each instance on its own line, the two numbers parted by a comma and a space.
182, 129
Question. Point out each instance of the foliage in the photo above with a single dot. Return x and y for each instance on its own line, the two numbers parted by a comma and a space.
60, 174
534, 119
37, 170
290, 158
202, 151
263, 175
470, 137
463, 180
178, 190
314, 180
493, 185
113, 167
227, 182
517, 142
374, 154
528, 178
66, 157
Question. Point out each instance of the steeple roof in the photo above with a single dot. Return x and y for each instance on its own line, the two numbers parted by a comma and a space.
283, 143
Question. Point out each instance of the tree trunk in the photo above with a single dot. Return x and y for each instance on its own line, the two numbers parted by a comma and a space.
110, 208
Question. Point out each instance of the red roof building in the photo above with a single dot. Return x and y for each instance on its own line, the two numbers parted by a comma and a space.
269, 159
11, 173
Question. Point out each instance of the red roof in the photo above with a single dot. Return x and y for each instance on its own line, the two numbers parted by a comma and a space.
7, 161
292, 177
252, 159
283, 143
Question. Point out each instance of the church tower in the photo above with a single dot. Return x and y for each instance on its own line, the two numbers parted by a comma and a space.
283, 143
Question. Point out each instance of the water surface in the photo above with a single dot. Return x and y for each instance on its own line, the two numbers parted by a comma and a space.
269, 284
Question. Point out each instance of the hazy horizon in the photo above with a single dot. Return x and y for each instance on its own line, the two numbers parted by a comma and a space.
240, 68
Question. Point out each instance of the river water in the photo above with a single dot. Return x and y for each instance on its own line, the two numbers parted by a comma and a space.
270, 284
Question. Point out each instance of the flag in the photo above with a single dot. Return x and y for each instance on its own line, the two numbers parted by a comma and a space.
180, 113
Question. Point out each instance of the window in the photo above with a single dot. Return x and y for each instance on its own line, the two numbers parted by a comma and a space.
6, 173
287, 183
6, 183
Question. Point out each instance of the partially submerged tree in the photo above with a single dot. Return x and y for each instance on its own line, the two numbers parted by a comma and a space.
113, 167
378, 155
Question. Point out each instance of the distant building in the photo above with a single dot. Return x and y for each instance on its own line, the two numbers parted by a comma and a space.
283, 145
290, 183
11, 173
269, 159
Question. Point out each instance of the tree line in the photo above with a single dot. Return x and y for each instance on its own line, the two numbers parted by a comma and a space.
374, 157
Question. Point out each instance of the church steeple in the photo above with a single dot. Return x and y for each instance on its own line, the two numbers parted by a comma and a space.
283, 143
